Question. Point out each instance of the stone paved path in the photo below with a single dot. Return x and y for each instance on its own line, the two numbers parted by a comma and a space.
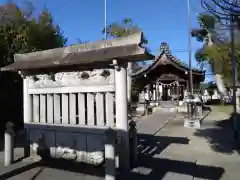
178, 153
169, 151
148, 125
153, 123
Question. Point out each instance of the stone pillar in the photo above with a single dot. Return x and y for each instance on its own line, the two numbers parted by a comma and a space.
238, 101
149, 99
160, 92
129, 81
185, 93
148, 91
122, 114
237, 133
154, 94
27, 116
9, 144
133, 142
110, 169
178, 91
27, 104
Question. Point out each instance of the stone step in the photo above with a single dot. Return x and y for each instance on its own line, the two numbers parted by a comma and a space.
168, 104
182, 109
162, 109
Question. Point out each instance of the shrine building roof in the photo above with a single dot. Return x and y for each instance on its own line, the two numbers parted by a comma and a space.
164, 58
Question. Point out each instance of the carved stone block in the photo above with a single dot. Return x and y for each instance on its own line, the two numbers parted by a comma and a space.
77, 78
79, 147
95, 148
71, 146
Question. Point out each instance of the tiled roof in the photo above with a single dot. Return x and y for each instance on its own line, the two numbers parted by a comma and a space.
164, 49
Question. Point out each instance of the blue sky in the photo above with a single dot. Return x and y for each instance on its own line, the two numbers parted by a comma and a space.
160, 20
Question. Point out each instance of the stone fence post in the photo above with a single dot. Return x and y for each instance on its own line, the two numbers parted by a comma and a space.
133, 142
110, 164
9, 144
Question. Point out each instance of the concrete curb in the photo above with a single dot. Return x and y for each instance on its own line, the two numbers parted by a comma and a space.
206, 115
164, 124
17, 168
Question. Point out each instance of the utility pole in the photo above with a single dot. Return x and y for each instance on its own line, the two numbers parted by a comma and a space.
234, 76
190, 84
105, 19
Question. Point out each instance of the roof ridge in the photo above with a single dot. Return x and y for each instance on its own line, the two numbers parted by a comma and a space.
164, 48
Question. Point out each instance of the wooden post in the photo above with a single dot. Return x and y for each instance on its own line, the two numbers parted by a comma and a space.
122, 114
27, 102
154, 94
129, 89
237, 101
129, 81
160, 93
157, 93
178, 92
149, 99
149, 92
8, 144
110, 169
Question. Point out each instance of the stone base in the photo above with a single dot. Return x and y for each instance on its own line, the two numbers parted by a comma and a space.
140, 109
192, 123
153, 104
180, 103
182, 109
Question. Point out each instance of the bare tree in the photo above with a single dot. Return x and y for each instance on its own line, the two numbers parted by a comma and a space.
222, 9
227, 12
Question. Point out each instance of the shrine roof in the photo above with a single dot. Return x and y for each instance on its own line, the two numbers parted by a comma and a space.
170, 59
124, 49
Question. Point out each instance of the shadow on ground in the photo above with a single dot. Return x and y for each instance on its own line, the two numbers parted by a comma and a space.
220, 136
149, 149
64, 165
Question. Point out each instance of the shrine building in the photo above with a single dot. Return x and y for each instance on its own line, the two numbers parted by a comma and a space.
166, 79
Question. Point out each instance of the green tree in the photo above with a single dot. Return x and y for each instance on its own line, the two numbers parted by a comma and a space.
125, 28
206, 34
122, 29
21, 32
215, 51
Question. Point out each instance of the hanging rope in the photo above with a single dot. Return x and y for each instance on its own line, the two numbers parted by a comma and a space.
169, 84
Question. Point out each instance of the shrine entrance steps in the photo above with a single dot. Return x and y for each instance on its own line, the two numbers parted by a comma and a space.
168, 104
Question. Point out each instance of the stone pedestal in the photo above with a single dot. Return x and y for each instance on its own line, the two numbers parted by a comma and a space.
141, 106
192, 123
193, 120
